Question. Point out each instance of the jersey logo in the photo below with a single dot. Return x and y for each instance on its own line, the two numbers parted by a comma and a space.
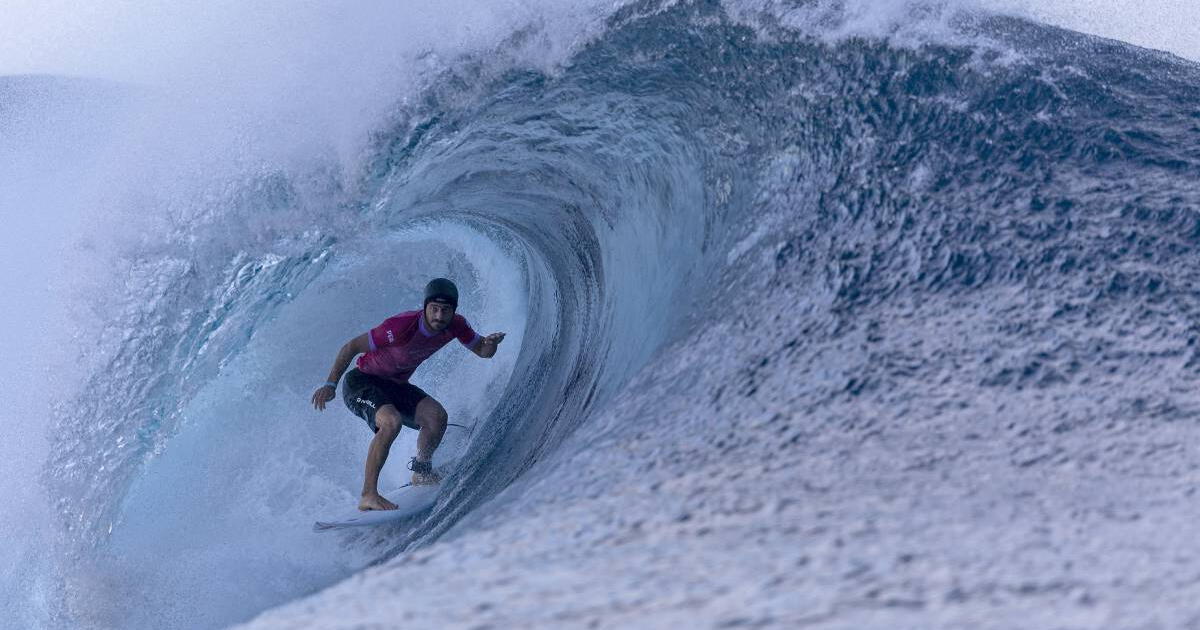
391, 337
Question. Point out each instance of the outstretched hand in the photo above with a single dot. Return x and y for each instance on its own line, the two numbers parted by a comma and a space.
487, 346
324, 394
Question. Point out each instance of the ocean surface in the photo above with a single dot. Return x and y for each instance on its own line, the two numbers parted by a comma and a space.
813, 321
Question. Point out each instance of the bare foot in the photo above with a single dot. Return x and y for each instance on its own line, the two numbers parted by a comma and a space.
375, 502
425, 479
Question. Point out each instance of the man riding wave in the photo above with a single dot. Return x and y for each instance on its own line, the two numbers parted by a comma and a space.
378, 391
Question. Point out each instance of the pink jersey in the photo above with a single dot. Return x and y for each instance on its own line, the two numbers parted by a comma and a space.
402, 342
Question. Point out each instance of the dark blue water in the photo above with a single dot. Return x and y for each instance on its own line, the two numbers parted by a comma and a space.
682, 170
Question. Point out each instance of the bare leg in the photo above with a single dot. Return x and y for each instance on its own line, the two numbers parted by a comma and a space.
431, 416
388, 421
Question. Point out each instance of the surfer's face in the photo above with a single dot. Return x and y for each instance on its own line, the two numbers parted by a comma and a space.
438, 316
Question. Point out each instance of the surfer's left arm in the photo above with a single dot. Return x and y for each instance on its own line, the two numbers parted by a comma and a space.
486, 348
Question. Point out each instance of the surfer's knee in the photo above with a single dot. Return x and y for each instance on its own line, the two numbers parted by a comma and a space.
388, 421
431, 412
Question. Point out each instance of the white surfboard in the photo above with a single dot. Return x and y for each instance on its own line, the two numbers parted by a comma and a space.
410, 500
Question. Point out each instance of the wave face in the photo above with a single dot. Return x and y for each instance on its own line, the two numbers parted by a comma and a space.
678, 177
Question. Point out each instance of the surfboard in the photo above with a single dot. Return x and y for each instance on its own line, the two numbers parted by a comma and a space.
410, 500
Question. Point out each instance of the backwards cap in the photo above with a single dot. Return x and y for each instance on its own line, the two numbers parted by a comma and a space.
442, 291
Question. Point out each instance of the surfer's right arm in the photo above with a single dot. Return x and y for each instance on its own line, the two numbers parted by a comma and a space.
351, 349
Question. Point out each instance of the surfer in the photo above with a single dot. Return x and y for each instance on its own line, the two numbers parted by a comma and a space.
378, 391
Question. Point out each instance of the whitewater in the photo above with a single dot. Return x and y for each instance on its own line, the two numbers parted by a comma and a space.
832, 314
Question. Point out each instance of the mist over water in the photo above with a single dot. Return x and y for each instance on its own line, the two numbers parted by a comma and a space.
191, 245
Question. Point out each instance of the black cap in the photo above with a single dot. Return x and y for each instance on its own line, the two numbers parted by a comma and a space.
442, 291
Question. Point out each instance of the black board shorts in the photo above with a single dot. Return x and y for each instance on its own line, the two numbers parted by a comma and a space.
364, 394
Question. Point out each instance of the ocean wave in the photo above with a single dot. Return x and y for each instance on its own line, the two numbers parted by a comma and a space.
660, 186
